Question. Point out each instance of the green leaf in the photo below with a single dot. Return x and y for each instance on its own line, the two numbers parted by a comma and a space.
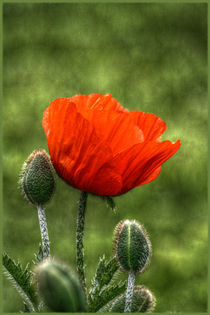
106, 295
21, 280
104, 274
101, 291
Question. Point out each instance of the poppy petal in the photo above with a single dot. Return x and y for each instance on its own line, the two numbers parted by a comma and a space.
139, 164
117, 130
98, 146
152, 126
151, 177
77, 154
97, 102
111, 121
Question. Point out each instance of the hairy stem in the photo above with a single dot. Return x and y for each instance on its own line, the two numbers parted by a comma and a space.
44, 231
129, 292
80, 240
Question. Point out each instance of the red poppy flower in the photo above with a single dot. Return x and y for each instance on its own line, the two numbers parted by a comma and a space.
98, 146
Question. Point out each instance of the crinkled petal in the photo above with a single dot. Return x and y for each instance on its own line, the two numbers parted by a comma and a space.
152, 126
78, 155
151, 177
98, 146
87, 103
141, 163
111, 121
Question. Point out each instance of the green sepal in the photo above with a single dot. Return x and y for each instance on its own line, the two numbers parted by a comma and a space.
109, 202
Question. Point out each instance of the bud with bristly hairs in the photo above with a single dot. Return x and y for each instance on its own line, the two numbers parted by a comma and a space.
58, 287
37, 178
132, 252
143, 301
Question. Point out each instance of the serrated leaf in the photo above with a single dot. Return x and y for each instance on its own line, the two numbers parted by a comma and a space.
104, 274
106, 295
101, 292
21, 280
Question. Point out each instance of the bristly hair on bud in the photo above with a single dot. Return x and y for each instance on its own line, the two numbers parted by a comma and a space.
143, 301
132, 246
37, 178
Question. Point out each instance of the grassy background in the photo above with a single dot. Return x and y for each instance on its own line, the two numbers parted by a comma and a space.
151, 57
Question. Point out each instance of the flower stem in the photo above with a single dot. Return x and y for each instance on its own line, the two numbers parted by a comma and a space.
129, 292
80, 240
44, 231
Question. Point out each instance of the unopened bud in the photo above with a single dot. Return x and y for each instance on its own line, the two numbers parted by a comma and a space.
59, 288
132, 246
37, 178
143, 301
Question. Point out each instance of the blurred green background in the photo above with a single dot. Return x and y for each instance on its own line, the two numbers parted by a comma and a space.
150, 57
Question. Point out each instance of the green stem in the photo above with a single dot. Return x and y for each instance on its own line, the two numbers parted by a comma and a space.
44, 231
129, 292
80, 240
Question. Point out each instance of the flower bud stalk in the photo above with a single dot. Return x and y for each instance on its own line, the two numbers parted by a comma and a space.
44, 231
129, 292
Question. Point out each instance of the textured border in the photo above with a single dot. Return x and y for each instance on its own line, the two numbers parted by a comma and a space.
1, 137
1, 103
106, 1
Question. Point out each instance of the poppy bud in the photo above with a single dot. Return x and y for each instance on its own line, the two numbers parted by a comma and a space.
143, 302
37, 178
59, 288
132, 246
